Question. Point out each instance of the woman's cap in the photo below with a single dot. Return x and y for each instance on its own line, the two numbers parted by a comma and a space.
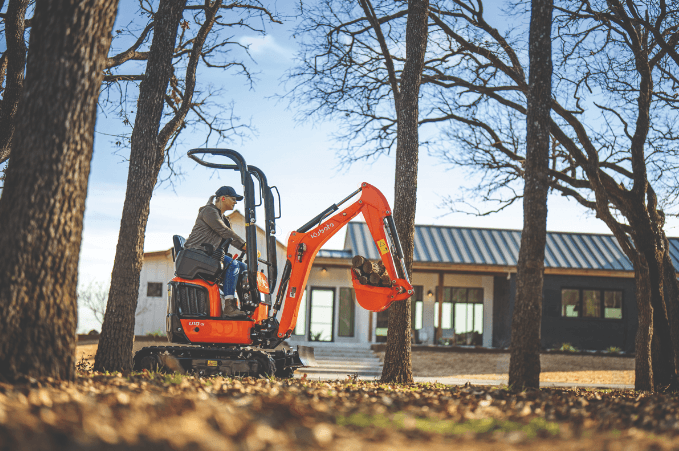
228, 191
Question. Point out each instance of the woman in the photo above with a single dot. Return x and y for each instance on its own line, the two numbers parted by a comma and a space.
211, 228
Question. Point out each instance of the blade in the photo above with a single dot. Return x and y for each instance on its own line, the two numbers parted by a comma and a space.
306, 355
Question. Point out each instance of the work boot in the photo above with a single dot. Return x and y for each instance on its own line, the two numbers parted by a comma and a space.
230, 309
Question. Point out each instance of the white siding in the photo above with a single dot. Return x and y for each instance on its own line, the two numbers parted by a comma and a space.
336, 278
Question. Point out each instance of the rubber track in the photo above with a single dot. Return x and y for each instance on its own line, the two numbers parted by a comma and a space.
195, 352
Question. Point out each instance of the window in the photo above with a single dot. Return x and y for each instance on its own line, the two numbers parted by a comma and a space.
462, 310
591, 303
417, 307
613, 304
321, 314
154, 290
570, 303
300, 328
346, 312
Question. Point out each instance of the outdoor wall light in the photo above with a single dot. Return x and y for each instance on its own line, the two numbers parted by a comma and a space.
429, 293
324, 270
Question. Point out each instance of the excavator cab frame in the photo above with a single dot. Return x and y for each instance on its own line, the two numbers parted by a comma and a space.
266, 197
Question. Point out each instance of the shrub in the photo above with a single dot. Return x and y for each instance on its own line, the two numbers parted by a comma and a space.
567, 347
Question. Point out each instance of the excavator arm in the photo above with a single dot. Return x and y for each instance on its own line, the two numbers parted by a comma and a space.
305, 243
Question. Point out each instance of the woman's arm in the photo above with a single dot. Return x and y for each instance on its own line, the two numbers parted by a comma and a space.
214, 219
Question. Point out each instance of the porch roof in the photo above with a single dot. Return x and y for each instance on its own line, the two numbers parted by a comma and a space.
498, 247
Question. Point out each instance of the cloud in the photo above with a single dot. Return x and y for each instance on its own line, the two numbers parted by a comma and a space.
265, 46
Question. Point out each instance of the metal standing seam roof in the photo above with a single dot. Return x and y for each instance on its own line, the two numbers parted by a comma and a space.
475, 246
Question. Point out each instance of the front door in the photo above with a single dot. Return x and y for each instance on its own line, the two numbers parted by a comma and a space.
321, 314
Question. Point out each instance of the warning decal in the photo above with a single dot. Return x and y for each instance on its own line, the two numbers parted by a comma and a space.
383, 246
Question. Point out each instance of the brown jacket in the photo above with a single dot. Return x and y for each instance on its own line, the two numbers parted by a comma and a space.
211, 227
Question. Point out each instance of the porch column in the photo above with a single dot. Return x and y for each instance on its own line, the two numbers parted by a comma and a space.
439, 299
487, 282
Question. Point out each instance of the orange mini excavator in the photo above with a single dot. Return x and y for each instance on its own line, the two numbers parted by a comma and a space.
244, 345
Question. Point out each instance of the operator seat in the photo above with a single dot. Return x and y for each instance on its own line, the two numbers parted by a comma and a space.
178, 242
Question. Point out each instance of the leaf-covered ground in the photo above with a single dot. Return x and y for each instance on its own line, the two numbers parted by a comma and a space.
154, 411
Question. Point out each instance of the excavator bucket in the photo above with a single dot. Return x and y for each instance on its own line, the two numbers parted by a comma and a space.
375, 299
306, 355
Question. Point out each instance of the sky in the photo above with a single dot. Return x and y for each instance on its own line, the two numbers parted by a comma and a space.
299, 158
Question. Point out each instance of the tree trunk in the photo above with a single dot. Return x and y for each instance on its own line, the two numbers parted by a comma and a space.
42, 206
643, 368
114, 352
16, 60
650, 244
671, 294
397, 359
524, 363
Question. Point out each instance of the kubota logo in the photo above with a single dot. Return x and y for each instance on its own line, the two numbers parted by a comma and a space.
320, 232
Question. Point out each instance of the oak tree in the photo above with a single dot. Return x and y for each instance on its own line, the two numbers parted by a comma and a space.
524, 362
150, 143
612, 134
12, 65
43, 201
344, 48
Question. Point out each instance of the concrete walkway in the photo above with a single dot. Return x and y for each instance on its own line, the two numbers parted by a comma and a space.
338, 362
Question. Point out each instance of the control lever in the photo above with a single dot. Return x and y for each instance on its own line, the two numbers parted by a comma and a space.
220, 252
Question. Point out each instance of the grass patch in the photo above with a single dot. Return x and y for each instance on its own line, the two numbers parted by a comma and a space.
449, 427
174, 378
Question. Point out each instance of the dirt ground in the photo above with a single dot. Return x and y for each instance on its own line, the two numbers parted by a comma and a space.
555, 367
471, 366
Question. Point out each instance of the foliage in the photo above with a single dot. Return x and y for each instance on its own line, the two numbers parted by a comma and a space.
614, 350
567, 347
148, 410
157, 333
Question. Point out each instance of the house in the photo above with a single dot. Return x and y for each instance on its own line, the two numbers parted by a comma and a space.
464, 280
467, 277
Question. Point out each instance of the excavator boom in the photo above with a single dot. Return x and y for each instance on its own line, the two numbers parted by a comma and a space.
305, 243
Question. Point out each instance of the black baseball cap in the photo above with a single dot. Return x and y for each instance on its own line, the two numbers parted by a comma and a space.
228, 191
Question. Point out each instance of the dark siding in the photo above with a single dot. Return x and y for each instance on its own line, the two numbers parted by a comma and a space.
588, 333
584, 334
502, 312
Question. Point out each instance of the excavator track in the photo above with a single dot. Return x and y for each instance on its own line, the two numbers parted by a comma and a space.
208, 361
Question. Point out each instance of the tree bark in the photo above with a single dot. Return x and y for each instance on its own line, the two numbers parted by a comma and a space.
643, 367
671, 294
16, 60
397, 359
114, 352
655, 346
42, 206
524, 363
